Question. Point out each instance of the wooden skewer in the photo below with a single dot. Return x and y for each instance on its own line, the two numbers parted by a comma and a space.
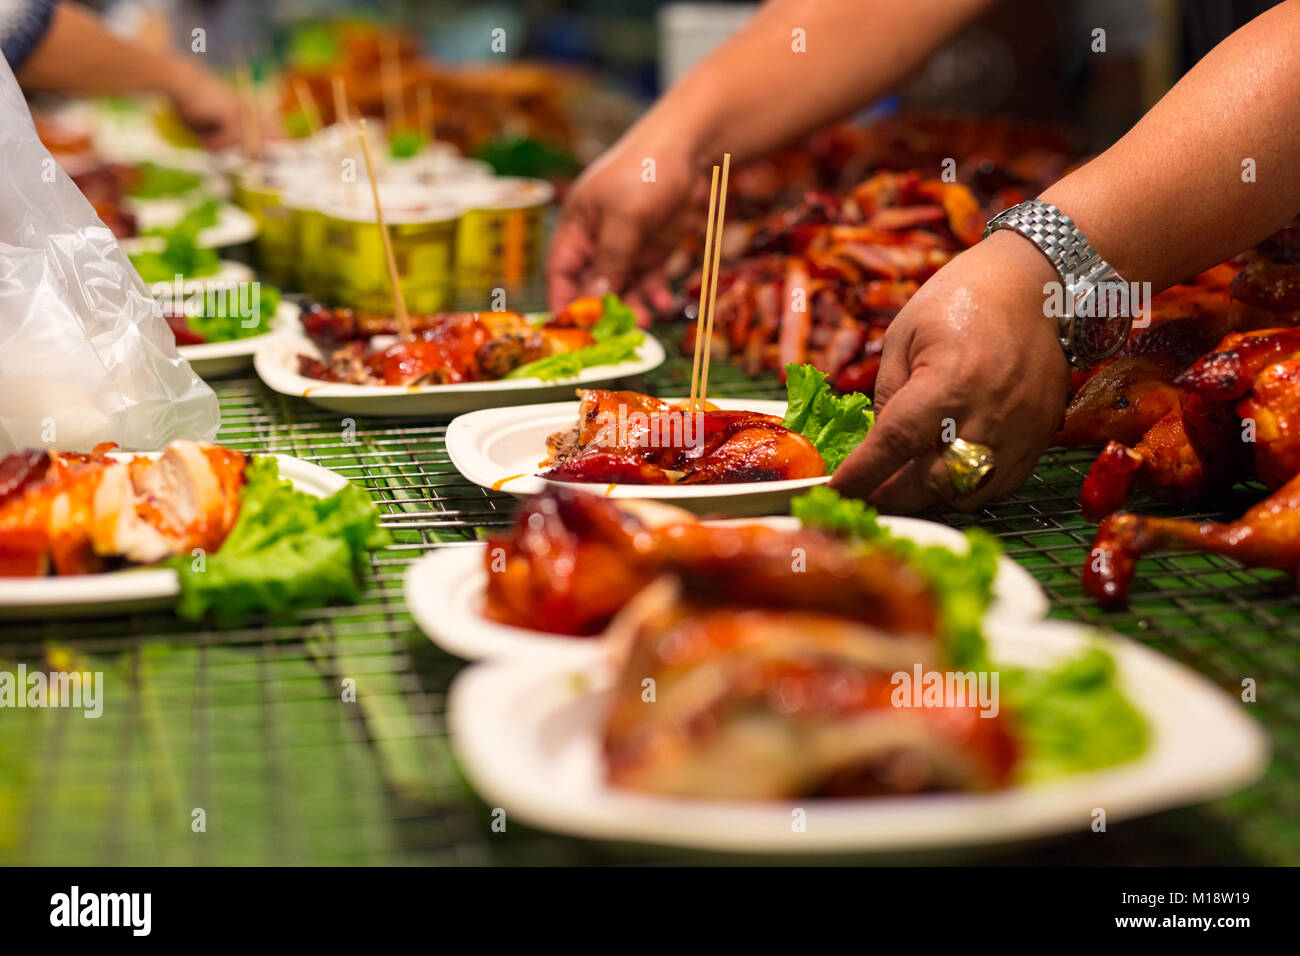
343, 121
307, 103
704, 289
424, 111
340, 100
403, 320
713, 279
390, 70
424, 116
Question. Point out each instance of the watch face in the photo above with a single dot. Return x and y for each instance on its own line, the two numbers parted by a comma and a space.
1102, 321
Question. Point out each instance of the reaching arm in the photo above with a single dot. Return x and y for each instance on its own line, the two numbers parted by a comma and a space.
974, 346
752, 94
755, 93
79, 55
1169, 199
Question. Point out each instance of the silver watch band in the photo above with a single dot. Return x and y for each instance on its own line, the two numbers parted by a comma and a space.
1055, 235
1079, 267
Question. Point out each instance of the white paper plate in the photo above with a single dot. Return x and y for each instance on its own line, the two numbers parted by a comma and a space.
229, 273
445, 593
219, 358
529, 740
490, 446
116, 592
277, 365
233, 227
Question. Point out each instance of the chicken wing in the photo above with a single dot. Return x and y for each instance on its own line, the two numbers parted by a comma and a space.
1268, 535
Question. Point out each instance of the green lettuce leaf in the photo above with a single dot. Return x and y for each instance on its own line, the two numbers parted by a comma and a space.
1070, 718
218, 324
835, 424
962, 583
181, 254
288, 549
617, 340
159, 182
405, 144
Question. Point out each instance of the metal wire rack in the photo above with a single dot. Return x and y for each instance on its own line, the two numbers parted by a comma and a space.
243, 746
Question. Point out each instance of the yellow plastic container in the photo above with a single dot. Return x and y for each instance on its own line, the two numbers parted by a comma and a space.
423, 231
500, 243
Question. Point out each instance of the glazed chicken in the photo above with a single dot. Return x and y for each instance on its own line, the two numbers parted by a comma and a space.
1166, 408
1251, 385
63, 513
445, 349
1267, 535
571, 560
757, 703
632, 438
771, 680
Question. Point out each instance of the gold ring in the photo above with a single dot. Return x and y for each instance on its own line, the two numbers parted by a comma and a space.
969, 464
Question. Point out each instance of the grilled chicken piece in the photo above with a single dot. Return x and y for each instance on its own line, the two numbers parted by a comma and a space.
1228, 372
446, 349
1189, 454
1268, 535
79, 514
630, 438
1261, 371
1273, 405
758, 704
571, 560
45, 523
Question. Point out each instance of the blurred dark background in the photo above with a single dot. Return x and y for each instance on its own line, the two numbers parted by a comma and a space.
1024, 58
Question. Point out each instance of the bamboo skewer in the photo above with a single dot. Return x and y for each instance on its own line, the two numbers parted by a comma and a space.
709, 286
713, 279
343, 121
307, 103
424, 117
704, 288
340, 100
424, 111
399, 303
390, 73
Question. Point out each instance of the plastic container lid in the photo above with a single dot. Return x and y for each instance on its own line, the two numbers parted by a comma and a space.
500, 193
403, 204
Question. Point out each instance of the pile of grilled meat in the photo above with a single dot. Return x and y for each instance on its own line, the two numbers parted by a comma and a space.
769, 682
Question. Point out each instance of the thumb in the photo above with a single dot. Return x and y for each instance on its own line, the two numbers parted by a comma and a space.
616, 246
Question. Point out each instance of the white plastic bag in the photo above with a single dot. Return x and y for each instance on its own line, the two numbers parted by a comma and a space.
85, 354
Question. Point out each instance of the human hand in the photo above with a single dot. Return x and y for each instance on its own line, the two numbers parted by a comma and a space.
617, 228
207, 105
971, 356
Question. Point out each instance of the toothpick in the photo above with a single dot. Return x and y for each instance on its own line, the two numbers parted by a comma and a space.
340, 100
403, 320
704, 288
390, 69
424, 116
307, 103
342, 121
713, 280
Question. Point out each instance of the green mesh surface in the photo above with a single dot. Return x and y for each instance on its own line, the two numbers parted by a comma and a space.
249, 724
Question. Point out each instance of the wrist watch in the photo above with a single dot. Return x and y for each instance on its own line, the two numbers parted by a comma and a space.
1092, 327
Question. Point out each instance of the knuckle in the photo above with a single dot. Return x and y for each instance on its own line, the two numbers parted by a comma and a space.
896, 441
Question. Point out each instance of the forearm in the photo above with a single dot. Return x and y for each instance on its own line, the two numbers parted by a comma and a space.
1169, 199
755, 92
79, 55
